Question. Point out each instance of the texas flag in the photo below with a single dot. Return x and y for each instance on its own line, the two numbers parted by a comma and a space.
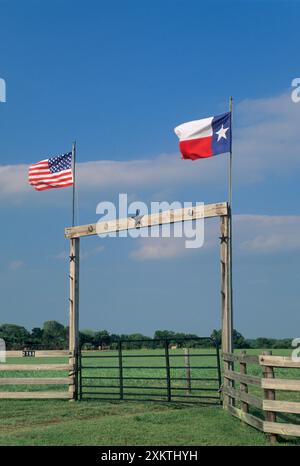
204, 138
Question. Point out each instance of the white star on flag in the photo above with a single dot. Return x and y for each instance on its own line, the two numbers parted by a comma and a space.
222, 133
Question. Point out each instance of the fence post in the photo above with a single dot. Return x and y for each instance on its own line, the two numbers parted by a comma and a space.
227, 346
120, 370
72, 376
74, 315
169, 395
244, 386
80, 375
268, 373
187, 370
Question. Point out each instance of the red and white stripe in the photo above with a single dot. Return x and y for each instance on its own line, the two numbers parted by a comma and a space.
41, 178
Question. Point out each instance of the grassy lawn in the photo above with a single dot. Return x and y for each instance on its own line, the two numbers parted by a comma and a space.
103, 422
119, 423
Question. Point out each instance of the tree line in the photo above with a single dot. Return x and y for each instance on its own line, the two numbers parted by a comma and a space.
54, 335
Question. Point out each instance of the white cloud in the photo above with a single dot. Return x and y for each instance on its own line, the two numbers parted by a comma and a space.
85, 254
268, 234
159, 249
15, 265
267, 137
13, 180
159, 172
266, 142
63, 255
252, 234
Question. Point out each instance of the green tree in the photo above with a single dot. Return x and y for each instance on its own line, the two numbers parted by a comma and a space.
163, 335
238, 340
54, 335
36, 337
15, 336
101, 338
86, 338
263, 343
217, 336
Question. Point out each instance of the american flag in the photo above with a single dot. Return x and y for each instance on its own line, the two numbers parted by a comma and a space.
55, 172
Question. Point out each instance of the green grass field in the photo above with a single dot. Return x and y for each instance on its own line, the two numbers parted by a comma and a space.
103, 422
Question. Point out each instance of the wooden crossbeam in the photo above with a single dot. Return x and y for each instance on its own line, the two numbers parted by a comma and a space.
36, 395
162, 218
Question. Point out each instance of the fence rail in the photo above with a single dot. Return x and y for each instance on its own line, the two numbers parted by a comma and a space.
37, 353
266, 403
37, 380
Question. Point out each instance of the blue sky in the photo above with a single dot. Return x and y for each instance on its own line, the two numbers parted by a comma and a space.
118, 76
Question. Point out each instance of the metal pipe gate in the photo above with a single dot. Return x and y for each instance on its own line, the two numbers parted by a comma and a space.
165, 370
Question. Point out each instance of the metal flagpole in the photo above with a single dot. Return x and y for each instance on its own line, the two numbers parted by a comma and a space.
230, 227
74, 181
230, 156
74, 292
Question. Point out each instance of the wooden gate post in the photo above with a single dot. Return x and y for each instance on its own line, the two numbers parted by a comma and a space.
225, 286
74, 315
225, 259
268, 373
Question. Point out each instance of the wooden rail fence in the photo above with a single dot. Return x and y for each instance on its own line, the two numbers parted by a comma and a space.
68, 381
259, 409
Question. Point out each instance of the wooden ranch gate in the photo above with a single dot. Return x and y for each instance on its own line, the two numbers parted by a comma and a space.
32, 372
221, 210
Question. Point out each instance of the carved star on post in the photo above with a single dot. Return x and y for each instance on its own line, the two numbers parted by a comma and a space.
72, 258
223, 238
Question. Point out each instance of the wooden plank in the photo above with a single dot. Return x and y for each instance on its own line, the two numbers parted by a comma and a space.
52, 353
281, 428
279, 361
249, 419
278, 406
13, 354
246, 358
162, 218
34, 395
35, 367
39, 353
249, 379
242, 396
34, 381
270, 416
281, 384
